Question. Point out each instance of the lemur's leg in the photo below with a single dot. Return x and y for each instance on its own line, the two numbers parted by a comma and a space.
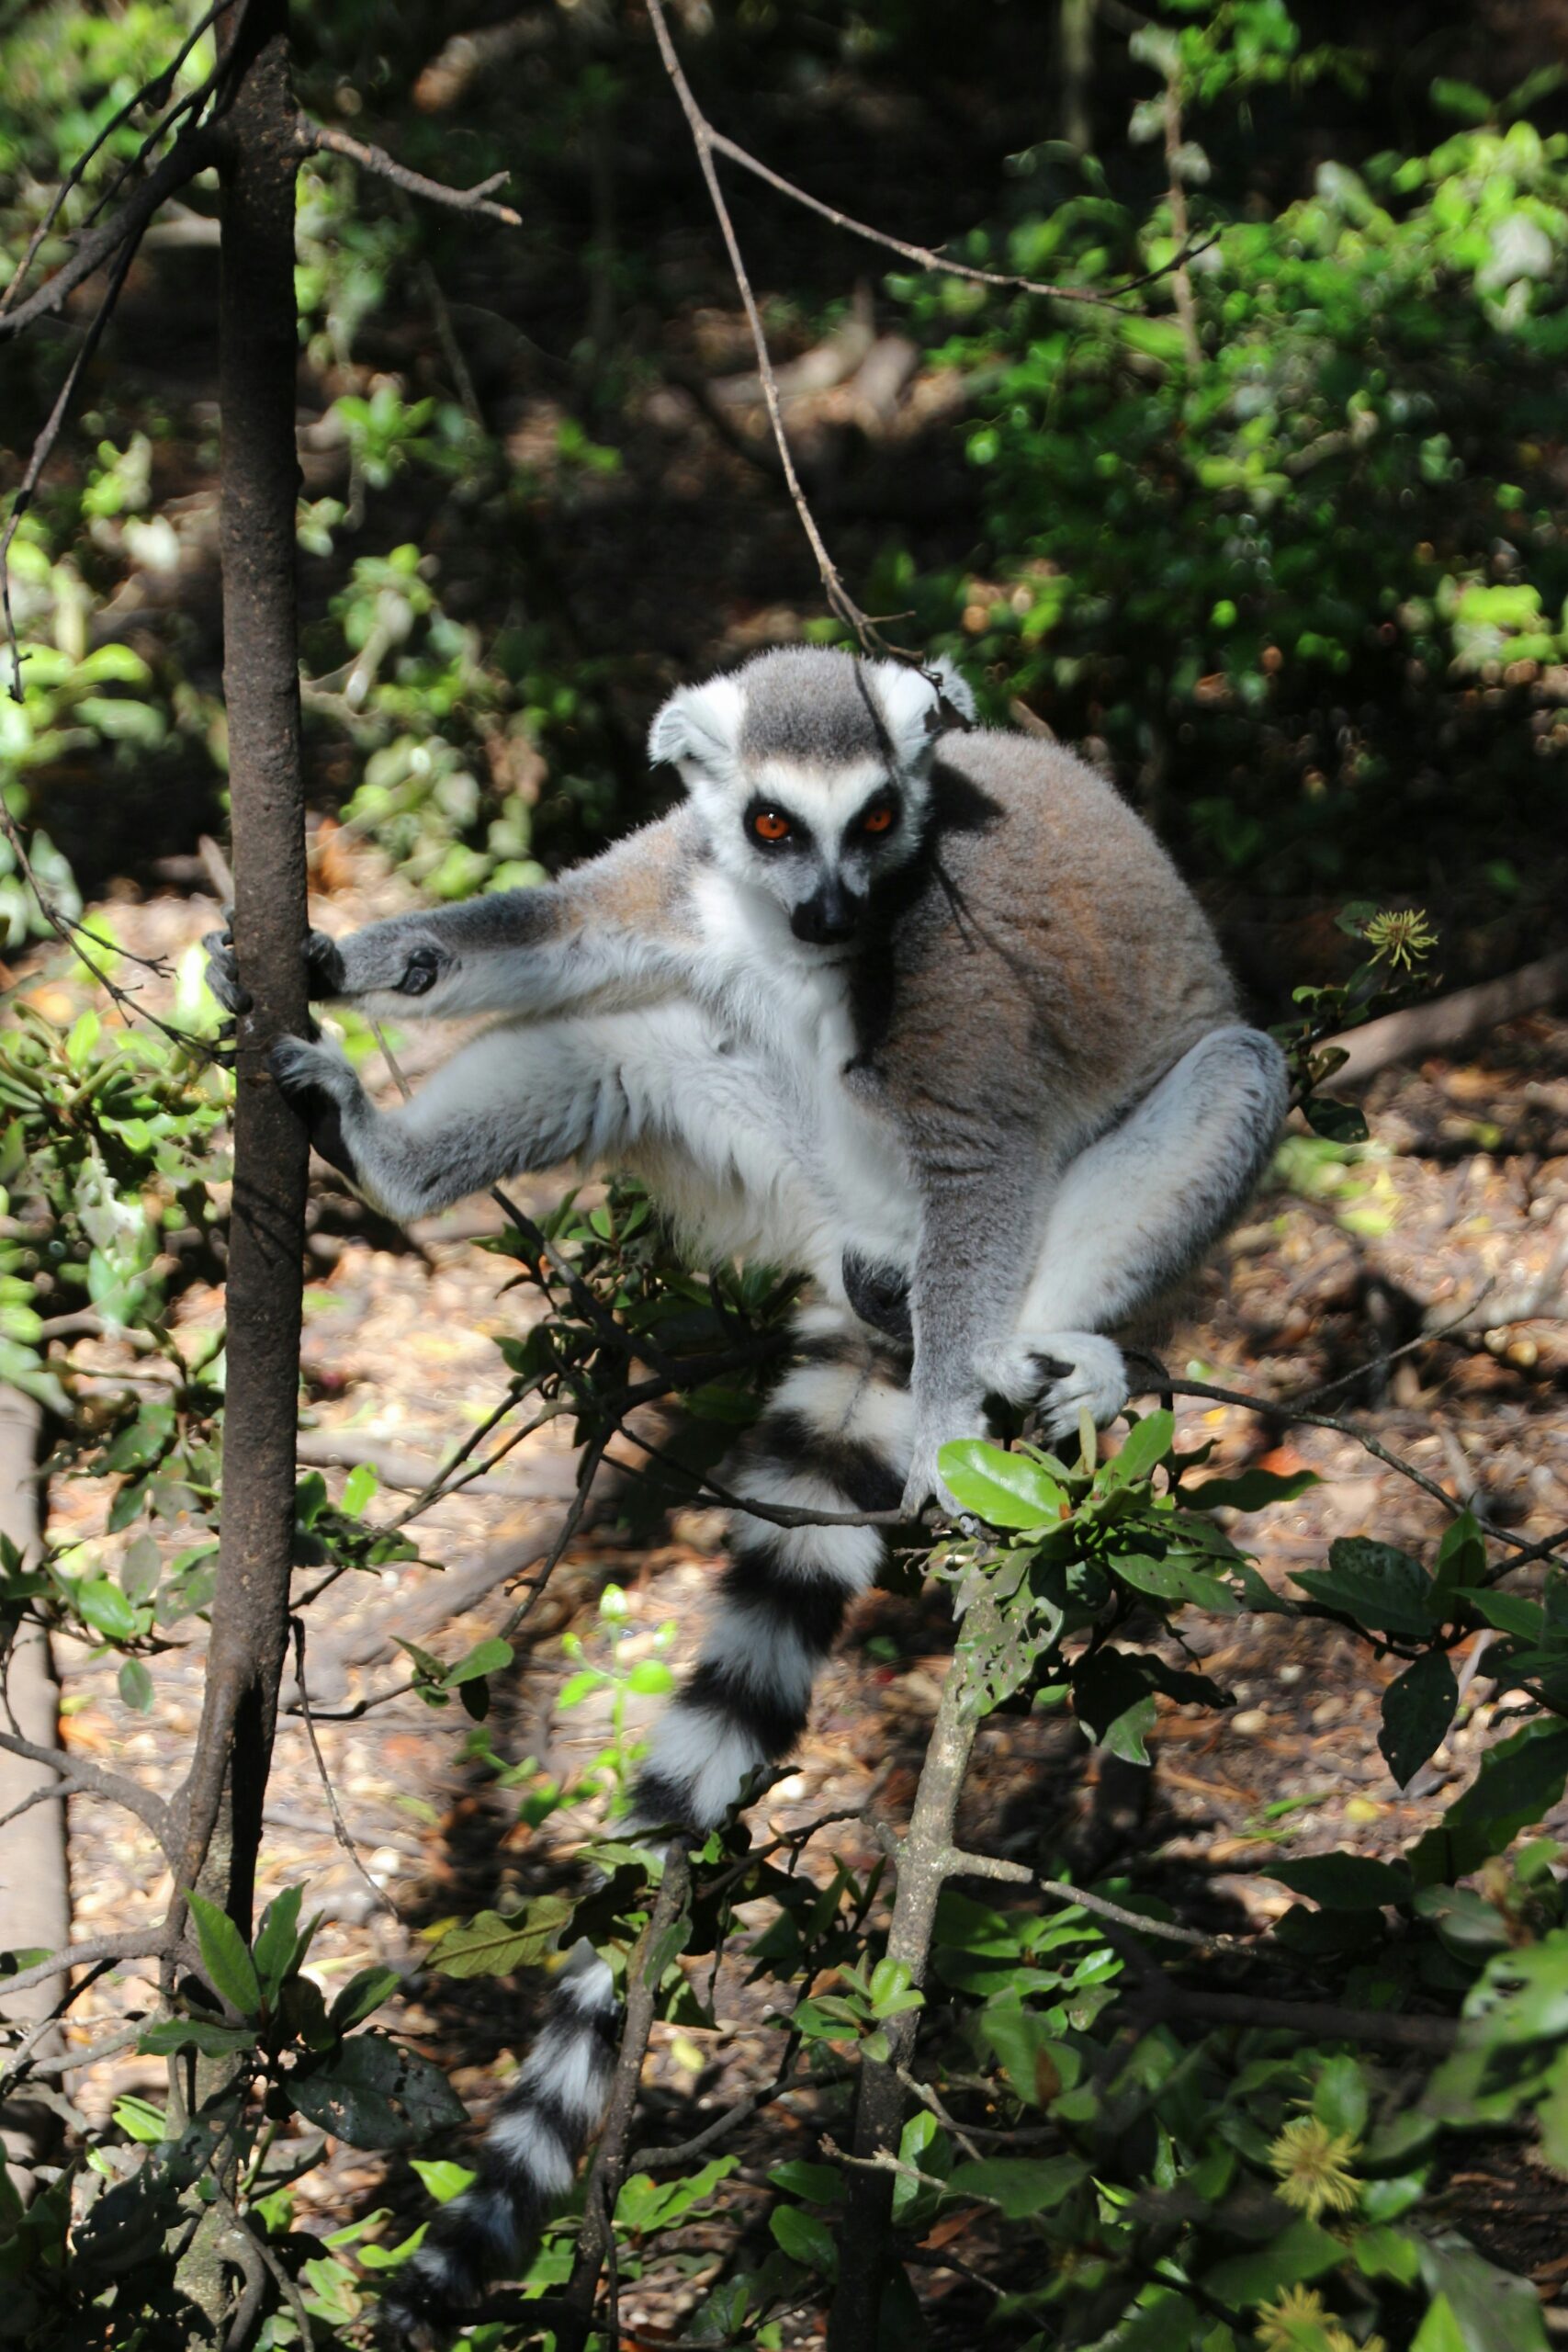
1134, 1213
835, 1436
517, 1098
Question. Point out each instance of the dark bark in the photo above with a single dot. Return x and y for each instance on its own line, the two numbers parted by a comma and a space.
927, 1859
258, 332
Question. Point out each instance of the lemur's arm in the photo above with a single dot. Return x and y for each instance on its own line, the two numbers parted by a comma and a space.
601, 935
982, 1212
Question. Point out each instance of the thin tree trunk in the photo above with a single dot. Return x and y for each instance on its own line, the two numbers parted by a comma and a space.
258, 354
258, 348
927, 1859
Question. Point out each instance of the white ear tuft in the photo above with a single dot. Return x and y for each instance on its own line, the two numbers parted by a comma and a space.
911, 707
701, 724
954, 685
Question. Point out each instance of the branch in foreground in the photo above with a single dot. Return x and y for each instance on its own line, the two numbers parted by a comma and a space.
1282, 1409
117, 1788
192, 151
317, 139
153, 93
841, 603
925, 257
596, 2242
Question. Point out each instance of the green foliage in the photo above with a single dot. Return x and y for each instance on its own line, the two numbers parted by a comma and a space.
1315, 579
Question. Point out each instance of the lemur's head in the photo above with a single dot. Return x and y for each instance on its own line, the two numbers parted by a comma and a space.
811, 770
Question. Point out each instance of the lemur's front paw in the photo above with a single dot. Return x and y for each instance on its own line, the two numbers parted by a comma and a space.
1067, 1373
324, 972
224, 972
924, 1483
318, 1081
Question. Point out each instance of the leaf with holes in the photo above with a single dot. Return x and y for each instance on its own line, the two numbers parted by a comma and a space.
494, 1943
1417, 1708
374, 2094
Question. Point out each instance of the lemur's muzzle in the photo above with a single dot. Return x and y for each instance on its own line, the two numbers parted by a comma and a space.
829, 916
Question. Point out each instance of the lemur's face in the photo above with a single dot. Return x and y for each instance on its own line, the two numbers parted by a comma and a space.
811, 773
818, 839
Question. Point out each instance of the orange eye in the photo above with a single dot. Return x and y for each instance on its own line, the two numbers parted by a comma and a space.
769, 826
878, 819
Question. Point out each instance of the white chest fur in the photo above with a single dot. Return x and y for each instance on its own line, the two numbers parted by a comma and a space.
772, 1156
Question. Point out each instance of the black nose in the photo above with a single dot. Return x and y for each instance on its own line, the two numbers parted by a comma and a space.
828, 916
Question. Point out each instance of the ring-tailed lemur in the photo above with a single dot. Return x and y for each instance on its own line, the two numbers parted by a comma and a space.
924, 1012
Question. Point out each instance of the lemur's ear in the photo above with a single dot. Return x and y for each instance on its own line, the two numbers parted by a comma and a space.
700, 723
912, 705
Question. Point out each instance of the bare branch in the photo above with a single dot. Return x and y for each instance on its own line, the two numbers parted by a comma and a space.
925, 257
1433, 2036
1282, 1410
139, 1943
317, 139
841, 603
192, 151
340, 1826
78, 1774
153, 93
596, 2238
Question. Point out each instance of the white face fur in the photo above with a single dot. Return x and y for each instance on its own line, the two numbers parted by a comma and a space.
811, 770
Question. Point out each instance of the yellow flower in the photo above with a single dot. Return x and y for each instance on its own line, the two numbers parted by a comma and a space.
1279, 2328
1313, 2165
1299, 2322
1402, 935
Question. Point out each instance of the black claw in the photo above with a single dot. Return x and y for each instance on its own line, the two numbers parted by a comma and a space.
423, 971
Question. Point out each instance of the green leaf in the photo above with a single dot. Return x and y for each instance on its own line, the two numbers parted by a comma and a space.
1417, 1708
1377, 1585
358, 1489
1249, 1490
1114, 1700
227, 1956
1509, 1612
818, 2184
1521, 1779
1461, 99
651, 1678
374, 2094
1005, 1489
135, 1686
139, 2119
1245, 2280
1340, 1122
363, 1993
1493, 2310
193, 2033
485, 1657
1521, 1996
1173, 1580
274, 1949
494, 1943
1163, 2324
1439, 2331
103, 1606
1346, 1881
1147, 1447
803, 2237
1341, 2098
1020, 2185
442, 2178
